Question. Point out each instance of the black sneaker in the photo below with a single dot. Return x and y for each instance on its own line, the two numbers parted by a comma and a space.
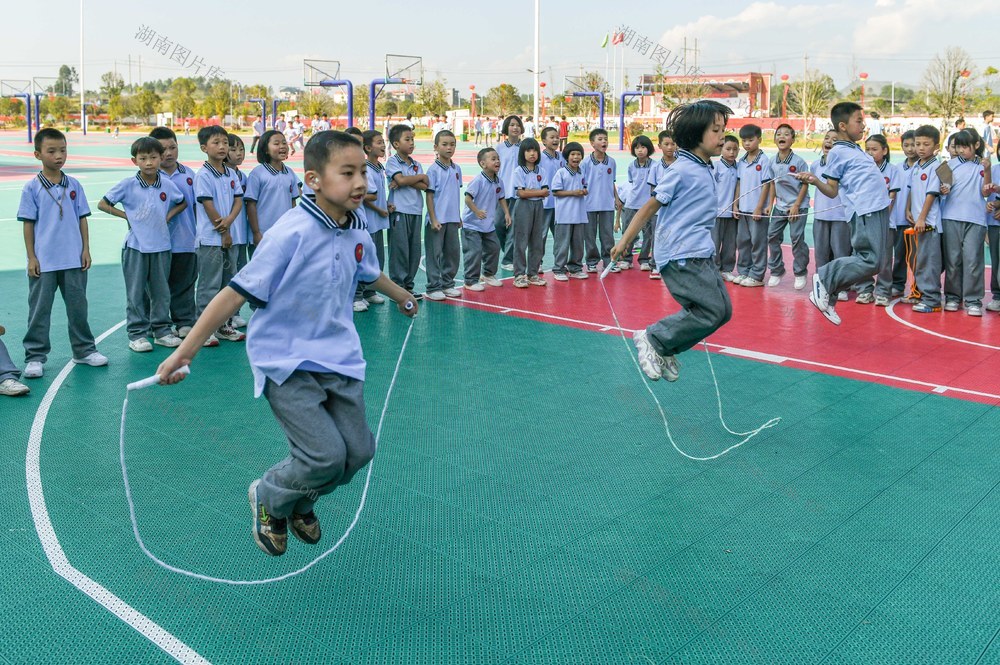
305, 527
270, 533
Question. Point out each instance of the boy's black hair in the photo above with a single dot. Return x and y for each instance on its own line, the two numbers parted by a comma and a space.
482, 155
644, 141
969, 138
689, 122
206, 133
445, 133
987, 113
396, 133
50, 133
960, 120
504, 129
163, 134
927, 132
356, 133
842, 112
368, 138
146, 145
546, 130
750, 131
881, 140
597, 131
234, 138
785, 125
730, 139
573, 147
665, 134
908, 135
323, 145
262, 156
526, 145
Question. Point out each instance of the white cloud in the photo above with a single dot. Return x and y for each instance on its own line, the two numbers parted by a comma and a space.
759, 19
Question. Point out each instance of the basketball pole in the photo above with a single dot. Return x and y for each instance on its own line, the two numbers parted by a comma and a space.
534, 93
83, 103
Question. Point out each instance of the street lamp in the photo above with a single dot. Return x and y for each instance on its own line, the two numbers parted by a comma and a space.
784, 97
864, 77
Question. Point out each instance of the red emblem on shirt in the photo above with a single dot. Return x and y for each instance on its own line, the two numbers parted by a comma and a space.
359, 252
887, 181
923, 176
981, 174
609, 169
232, 184
190, 182
759, 167
458, 177
163, 196
72, 195
415, 168
498, 190
792, 169
539, 178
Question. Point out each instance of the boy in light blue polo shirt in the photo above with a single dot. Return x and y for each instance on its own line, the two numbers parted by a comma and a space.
304, 350
685, 198
150, 202
602, 200
923, 210
480, 246
727, 176
754, 189
569, 187
508, 149
552, 161
377, 211
789, 208
442, 245
639, 192
54, 210
406, 182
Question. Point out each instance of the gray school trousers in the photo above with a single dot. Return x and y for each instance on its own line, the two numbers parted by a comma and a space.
869, 235
505, 235
323, 416
892, 275
366, 290
529, 236
993, 232
751, 245
600, 229
927, 276
776, 233
831, 240
569, 248
549, 215
964, 270
480, 254
404, 248
216, 267
443, 251
181, 280
8, 370
147, 292
72, 284
724, 237
697, 286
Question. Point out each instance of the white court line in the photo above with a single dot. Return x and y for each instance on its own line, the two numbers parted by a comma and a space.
895, 317
54, 551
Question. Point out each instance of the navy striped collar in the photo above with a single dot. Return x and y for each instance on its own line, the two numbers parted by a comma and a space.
648, 163
883, 166
731, 165
507, 143
786, 160
849, 144
274, 171
573, 172
907, 166
443, 165
924, 165
962, 160
555, 155
495, 179
594, 160
215, 171
531, 170
399, 159
47, 184
693, 157
375, 165
144, 184
755, 160
353, 221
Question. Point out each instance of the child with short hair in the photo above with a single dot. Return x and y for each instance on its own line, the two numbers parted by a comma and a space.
54, 211
993, 237
569, 187
150, 202
923, 211
219, 198
789, 208
272, 187
878, 147
377, 211
183, 236
480, 247
668, 150
552, 161
529, 218
639, 192
307, 361
831, 232
897, 221
684, 247
724, 232
240, 230
513, 129
442, 245
602, 201
406, 181
756, 181
867, 202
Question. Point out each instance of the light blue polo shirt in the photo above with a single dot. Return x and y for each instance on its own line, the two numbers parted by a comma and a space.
727, 174
902, 177
407, 200
684, 224
486, 193
753, 174
183, 228
508, 163
446, 183
376, 186
601, 176
302, 279
786, 187
222, 188
638, 177
570, 209
923, 182
824, 208
550, 166
993, 197
146, 207
893, 182
862, 188
55, 210
274, 191
240, 229
965, 202
529, 179
656, 172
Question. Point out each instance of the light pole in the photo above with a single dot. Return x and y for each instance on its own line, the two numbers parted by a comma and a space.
83, 104
537, 66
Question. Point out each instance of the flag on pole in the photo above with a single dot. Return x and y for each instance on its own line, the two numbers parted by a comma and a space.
605, 42
618, 38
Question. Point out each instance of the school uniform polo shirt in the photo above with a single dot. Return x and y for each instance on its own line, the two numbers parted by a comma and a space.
786, 187
274, 191
684, 223
407, 200
754, 175
55, 209
376, 186
726, 176
302, 279
222, 188
570, 209
601, 175
486, 193
146, 206
993, 197
638, 177
900, 180
525, 178
508, 164
183, 228
862, 187
446, 183
923, 182
965, 202
825, 208
240, 230
656, 172
550, 166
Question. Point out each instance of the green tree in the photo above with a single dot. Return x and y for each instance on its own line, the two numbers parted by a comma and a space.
58, 107
145, 103
501, 100
112, 85
315, 102
182, 97
810, 95
219, 99
361, 106
944, 82
433, 97
64, 83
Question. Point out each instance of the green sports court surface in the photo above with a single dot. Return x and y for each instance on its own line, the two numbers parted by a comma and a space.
525, 504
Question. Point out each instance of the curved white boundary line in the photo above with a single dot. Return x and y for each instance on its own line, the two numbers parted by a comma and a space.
895, 317
54, 551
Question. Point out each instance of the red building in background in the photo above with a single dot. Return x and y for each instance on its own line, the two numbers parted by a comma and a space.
748, 94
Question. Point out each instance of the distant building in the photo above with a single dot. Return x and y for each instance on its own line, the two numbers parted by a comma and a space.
748, 94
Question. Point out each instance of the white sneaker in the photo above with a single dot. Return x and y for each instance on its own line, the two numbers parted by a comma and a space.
490, 281
670, 368
829, 312
375, 299
169, 341
591, 268
864, 299
649, 360
507, 266
13, 388
360, 306
230, 333
560, 277
95, 359
535, 280
436, 295
521, 281
974, 310
183, 331
993, 306
951, 306
843, 296
819, 295
800, 282
140, 345
624, 265
773, 280
453, 293
211, 341
579, 275
727, 276
881, 301
615, 267
644, 267
655, 274
238, 322
34, 370
750, 282
738, 279
478, 286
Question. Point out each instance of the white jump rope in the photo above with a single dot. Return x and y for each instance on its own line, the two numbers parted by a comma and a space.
154, 381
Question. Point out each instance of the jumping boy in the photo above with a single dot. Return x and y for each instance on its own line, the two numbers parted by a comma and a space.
444, 219
789, 207
407, 180
480, 247
602, 201
755, 185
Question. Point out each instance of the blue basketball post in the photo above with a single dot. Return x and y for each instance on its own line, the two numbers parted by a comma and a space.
274, 113
600, 97
38, 110
334, 83
621, 114
371, 97
27, 112
263, 108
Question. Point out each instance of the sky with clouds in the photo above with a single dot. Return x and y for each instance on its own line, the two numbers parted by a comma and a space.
484, 44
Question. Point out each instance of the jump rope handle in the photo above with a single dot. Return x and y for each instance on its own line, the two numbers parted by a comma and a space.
408, 306
155, 379
607, 270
